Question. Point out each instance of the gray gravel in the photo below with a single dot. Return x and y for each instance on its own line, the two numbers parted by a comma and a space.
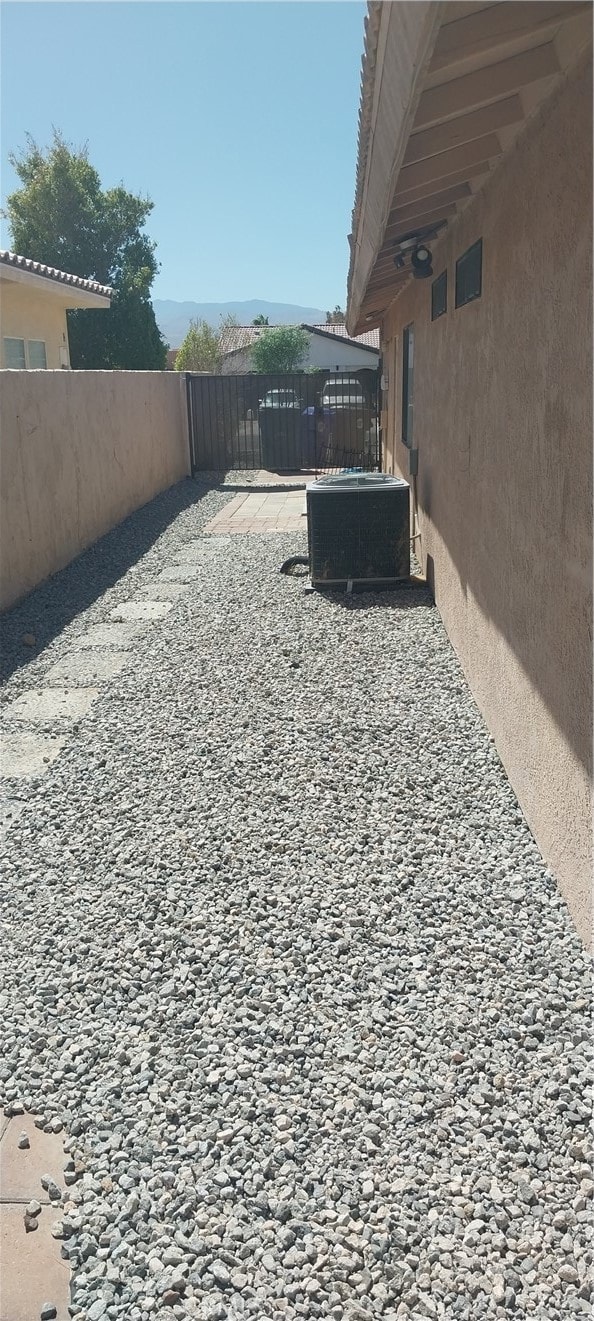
282, 958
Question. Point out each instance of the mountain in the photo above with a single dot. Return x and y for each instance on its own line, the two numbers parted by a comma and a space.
174, 318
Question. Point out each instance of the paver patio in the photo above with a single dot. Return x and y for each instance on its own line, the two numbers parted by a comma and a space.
280, 952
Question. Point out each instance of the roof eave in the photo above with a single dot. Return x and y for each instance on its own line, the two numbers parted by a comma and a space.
407, 34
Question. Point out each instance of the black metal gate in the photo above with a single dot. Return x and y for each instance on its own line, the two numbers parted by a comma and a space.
305, 422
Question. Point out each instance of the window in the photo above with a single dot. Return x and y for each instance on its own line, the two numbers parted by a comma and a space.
14, 352
408, 355
469, 274
36, 350
439, 296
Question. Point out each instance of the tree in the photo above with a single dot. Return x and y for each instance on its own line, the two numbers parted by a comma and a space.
280, 349
200, 351
63, 217
260, 320
335, 318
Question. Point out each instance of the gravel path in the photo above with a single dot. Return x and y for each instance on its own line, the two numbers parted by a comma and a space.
282, 957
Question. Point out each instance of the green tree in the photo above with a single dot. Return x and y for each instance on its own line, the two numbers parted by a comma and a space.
63, 217
335, 318
200, 351
280, 349
260, 320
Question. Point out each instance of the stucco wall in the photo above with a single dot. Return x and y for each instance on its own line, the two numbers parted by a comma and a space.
329, 354
503, 409
79, 452
27, 313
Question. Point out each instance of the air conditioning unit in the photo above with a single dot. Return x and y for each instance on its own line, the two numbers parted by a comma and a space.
358, 530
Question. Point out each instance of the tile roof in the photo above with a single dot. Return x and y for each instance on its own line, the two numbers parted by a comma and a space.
240, 337
370, 339
50, 273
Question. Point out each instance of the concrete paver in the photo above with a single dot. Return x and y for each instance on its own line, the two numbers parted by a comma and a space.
261, 512
47, 704
33, 1269
167, 591
109, 635
21, 1171
86, 667
141, 610
23, 756
181, 573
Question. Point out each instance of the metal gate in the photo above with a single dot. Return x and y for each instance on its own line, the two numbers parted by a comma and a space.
304, 422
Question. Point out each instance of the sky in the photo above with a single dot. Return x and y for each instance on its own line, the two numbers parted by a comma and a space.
238, 119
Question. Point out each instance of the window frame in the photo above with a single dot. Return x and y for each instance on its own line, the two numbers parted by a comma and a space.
14, 339
461, 301
37, 367
441, 280
408, 379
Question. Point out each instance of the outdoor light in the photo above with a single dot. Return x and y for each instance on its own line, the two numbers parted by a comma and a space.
421, 262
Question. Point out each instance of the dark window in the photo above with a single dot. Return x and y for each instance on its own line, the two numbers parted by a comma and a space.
439, 296
469, 274
408, 371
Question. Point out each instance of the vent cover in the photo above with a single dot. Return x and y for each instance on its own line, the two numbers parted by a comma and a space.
358, 528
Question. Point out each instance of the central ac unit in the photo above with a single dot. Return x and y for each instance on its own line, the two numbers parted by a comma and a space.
358, 529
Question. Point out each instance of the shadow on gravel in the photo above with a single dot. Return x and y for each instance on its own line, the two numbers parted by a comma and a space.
403, 598
57, 601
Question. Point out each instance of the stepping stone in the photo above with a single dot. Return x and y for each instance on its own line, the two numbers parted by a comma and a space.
165, 591
24, 756
87, 667
33, 1269
195, 551
141, 610
180, 573
46, 704
109, 635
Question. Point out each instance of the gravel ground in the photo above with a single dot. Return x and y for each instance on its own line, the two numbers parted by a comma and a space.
282, 958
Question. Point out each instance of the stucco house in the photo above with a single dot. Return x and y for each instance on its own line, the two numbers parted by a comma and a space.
471, 252
330, 348
34, 299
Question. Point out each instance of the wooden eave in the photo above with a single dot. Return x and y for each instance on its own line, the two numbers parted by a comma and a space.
446, 90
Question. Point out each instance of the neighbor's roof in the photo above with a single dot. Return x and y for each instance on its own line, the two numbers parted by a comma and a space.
234, 338
50, 273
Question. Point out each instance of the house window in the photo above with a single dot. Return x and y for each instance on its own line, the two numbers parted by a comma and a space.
14, 352
439, 296
469, 274
36, 350
408, 355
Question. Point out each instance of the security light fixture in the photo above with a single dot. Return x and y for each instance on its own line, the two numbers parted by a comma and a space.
414, 245
420, 261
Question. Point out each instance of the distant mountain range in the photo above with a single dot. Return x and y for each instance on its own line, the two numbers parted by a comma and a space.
174, 318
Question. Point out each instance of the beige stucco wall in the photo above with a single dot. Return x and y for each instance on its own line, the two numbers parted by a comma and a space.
503, 426
27, 313
79, 452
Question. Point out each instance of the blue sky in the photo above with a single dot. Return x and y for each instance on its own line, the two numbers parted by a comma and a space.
238, 119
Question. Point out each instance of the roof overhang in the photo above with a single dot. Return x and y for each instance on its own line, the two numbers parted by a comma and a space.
68, 295
446, 88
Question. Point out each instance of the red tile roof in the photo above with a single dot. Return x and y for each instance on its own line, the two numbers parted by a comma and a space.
50, 273
233, 338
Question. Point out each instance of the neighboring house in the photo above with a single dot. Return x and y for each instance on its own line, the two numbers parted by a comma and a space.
330, 348
481, 116
34, 300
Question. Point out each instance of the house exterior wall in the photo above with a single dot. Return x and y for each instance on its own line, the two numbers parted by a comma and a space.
336, 355
80, 451
29, 313
327, 354
503, 427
